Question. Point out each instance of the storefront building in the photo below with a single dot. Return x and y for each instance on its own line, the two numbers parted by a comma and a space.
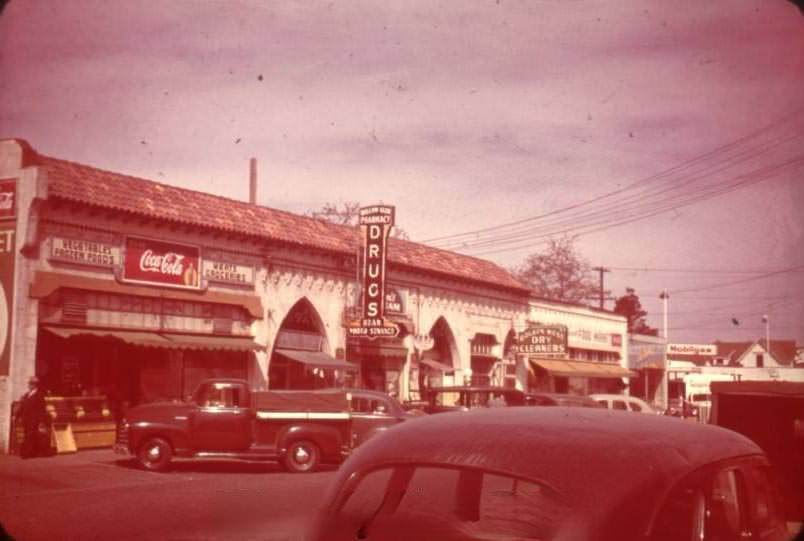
646, 357
119, 291
574, 349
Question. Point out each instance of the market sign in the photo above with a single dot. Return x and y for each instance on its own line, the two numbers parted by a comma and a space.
8, 199
7, 261
228, 273
84, 252
692, 349
375, 223
155, 262
543, 340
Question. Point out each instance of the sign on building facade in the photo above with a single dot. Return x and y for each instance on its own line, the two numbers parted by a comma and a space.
84, 252
8, 231
543, 340
375, 223
692, 349
155, 262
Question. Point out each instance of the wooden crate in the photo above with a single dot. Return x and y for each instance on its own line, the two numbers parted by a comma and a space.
94, 435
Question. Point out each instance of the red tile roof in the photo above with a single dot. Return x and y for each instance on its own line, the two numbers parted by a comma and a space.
114, 191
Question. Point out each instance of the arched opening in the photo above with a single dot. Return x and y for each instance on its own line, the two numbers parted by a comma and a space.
437, 364
300, 358
484, 358
381, 360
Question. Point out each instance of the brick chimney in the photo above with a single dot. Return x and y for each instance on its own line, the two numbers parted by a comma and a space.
252, 178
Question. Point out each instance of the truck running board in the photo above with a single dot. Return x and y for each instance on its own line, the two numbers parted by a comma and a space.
267, 454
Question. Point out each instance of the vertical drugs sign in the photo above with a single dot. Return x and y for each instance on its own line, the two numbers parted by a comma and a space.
8, 238
375, 224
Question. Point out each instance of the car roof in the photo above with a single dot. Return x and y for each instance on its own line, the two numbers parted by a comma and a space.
561, 447
473, 388
598, 396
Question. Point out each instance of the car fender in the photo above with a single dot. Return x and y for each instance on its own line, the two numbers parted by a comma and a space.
177, 436
328, 438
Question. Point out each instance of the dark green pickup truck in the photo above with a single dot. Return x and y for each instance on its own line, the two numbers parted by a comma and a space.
225, 419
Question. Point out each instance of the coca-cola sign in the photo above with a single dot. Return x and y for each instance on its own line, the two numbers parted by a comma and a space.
162, 263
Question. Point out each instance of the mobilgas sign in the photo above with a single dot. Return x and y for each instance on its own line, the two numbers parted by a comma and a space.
692, 349
543, 340
376, 223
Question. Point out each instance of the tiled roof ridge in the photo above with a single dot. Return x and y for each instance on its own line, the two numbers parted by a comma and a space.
180, 188
45, 160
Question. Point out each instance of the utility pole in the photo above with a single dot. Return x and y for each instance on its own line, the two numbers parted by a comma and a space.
666, 297
601, 270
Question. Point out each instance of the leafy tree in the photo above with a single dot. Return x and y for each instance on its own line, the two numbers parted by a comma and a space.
348, 215
629, 306
558, 273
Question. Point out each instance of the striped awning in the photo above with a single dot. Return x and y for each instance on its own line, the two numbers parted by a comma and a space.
568, 368
316, 359
162, 340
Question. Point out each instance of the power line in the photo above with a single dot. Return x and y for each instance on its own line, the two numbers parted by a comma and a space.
744, 280
630, 203
640, 183
697, 271
610, 224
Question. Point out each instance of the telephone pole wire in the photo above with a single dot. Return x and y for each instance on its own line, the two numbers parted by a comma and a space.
601, 270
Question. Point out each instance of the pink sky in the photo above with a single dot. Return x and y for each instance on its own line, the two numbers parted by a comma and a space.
464, 115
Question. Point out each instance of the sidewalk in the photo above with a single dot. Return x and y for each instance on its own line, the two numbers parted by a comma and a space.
15, 464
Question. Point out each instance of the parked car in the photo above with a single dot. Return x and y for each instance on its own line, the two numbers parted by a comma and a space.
679, 407
225, 419
771, 413
466, 397
560, 474
559, 399
623, 402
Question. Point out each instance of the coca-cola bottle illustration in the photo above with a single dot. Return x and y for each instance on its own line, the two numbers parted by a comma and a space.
190, 276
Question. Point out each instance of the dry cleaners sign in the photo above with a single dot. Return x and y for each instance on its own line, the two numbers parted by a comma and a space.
375, 223
543, 340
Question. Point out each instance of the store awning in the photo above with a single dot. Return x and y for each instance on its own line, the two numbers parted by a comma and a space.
225, 343
316, 359
45, 283
435, 365
652, 360
163, 340
137, 338
563, 367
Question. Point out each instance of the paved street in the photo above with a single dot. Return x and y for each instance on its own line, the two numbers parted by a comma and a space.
98, 495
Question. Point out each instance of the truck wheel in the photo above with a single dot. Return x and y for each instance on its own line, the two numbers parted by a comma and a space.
155, 454
302, 457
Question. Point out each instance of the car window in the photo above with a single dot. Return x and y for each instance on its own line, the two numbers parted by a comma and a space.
725, 506
603, 403
634, 406
618, 405
447, 503
682, 516
220, 396
361, 405
764, 507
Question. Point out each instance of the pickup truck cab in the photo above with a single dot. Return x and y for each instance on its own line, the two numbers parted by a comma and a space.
226, 419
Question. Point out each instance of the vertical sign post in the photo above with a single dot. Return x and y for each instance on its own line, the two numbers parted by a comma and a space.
375, 223
8, 239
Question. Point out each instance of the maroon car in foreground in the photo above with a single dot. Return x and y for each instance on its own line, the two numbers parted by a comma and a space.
569, 474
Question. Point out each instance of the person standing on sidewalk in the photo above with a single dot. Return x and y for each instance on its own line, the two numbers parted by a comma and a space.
33, 415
